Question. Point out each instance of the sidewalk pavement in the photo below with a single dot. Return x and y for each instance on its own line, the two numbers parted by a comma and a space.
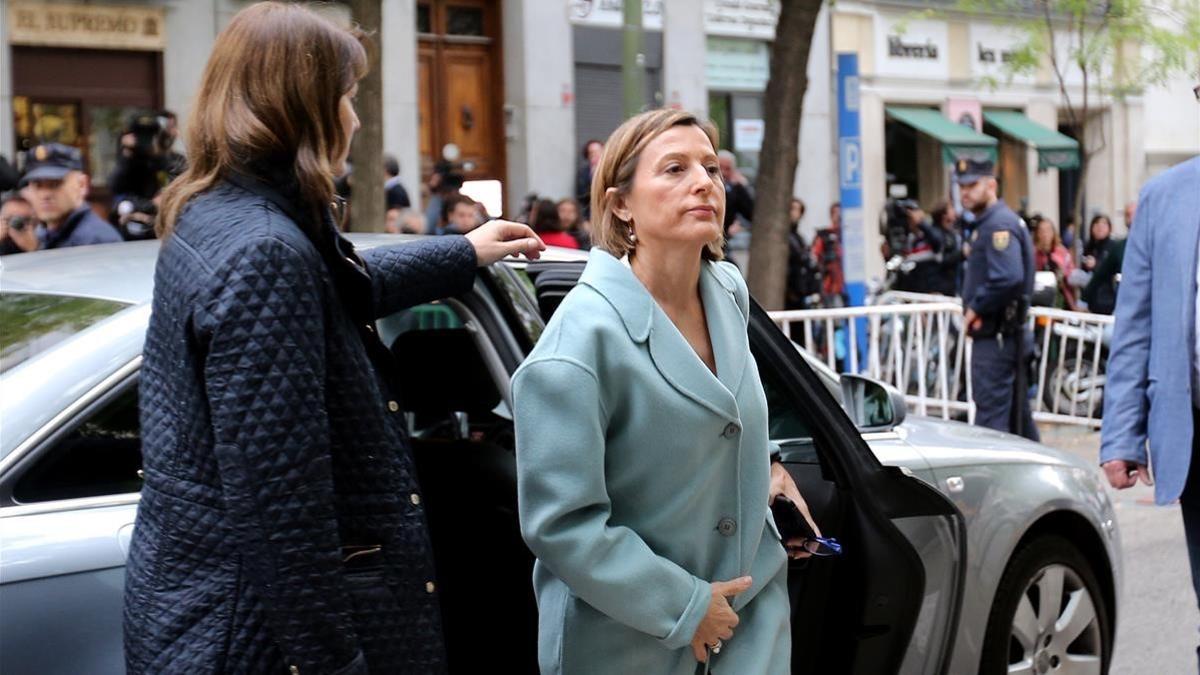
1157, 614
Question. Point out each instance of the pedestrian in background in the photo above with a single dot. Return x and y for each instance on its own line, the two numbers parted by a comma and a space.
547, 225
951, 255
280, 526
1100, 294
1051, 255
54, 182
591, 152
739, 209
996, 295
571, 218
827, 249
18, 226
803, 278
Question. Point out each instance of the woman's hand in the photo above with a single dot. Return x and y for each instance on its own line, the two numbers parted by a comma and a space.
782, 484
719, 622
498, 239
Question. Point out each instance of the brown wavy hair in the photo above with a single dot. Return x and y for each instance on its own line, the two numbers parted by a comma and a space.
270, 95
617, 167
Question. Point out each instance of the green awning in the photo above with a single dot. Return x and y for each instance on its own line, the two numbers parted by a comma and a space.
1055, 150
958, 141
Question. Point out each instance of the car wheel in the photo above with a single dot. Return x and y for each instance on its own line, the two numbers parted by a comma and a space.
1048, 616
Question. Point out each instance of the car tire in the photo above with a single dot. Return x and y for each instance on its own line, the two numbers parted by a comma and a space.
1075, 627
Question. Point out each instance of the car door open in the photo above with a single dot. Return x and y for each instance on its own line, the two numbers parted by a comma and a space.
890, 602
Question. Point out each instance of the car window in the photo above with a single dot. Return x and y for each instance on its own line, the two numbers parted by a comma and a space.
34, 322
518, 299
99, 457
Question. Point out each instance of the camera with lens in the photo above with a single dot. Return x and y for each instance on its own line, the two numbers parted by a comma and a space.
19, 223
896, 217
149, 135
135, 218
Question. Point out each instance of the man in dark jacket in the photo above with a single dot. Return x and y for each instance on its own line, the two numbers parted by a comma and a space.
57, 189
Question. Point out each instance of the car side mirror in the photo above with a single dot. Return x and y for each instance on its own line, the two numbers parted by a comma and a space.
871, 404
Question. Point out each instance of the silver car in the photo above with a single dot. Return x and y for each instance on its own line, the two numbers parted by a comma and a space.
963, 550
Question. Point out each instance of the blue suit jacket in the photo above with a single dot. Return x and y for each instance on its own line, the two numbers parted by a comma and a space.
1149, 390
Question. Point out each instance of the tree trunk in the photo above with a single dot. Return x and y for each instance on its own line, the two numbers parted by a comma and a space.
366, 151
777, 166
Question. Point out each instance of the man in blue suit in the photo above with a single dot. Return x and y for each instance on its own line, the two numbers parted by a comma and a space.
1153, 388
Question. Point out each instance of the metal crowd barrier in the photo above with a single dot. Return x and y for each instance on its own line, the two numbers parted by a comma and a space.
914, 345
914, 342
1073, 356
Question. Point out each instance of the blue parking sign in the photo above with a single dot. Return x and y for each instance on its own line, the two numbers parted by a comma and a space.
850, 163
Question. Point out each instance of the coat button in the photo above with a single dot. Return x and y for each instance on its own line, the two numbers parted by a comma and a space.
731, 430
415, 499
727, 526
429, 587
393, 406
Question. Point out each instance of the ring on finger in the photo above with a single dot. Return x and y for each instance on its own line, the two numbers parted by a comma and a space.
716, 648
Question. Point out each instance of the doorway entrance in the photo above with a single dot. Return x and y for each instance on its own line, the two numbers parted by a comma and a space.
460, 86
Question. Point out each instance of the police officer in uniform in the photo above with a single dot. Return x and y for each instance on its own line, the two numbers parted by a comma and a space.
57, 187
996, 292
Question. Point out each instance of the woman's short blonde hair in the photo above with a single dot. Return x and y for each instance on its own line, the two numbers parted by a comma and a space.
618, 164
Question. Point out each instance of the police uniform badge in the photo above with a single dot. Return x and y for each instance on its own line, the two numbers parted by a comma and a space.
1001, 239
962, 166
40, 153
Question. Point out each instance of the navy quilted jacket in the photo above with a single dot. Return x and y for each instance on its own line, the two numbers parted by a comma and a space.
281, 525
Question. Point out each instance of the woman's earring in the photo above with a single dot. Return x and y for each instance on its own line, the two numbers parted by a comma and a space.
632, 234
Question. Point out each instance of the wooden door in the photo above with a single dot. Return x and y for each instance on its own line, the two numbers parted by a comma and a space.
460, 90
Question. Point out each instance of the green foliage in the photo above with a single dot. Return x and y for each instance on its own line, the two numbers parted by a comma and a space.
1094, 38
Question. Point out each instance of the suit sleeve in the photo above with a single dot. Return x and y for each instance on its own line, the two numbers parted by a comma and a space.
265, 374
409, 274
1126, 406
565, 509
1005, 273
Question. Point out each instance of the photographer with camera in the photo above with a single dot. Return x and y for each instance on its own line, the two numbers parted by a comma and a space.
18, 226
146, 163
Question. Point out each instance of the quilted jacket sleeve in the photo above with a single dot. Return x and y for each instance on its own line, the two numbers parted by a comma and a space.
264, 374
410, 274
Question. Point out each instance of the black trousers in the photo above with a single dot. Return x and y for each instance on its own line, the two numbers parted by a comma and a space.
994, 365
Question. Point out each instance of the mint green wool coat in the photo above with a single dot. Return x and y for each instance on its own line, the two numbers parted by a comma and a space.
642, 478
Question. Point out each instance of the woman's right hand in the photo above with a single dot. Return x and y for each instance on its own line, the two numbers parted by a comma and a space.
718, 623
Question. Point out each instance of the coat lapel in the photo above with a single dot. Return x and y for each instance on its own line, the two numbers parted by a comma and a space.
673, 357
726, 326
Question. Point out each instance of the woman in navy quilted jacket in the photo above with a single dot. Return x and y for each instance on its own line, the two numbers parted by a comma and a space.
280, 527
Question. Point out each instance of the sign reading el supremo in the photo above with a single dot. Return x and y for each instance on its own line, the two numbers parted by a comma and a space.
96, 26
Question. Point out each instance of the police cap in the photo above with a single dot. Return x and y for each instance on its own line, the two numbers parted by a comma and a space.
51, 161
968, 171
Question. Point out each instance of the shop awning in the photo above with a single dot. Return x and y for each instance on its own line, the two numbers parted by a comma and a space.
958, 141
1055, 150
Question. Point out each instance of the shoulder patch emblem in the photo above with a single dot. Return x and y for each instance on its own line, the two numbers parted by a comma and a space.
1000, 240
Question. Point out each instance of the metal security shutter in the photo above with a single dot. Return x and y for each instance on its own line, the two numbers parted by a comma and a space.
599, 99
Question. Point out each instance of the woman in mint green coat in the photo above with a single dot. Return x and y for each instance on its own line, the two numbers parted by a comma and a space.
643, 459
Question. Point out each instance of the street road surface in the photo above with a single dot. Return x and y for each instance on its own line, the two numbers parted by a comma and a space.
1157, 619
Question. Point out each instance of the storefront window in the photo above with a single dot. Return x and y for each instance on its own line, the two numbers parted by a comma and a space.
105, 124
45, 122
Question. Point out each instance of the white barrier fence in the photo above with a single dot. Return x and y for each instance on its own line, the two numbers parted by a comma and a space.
915, 347
1070, 370
914, 343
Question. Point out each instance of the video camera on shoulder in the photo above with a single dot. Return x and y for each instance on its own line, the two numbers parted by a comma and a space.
149, 132
893, 223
